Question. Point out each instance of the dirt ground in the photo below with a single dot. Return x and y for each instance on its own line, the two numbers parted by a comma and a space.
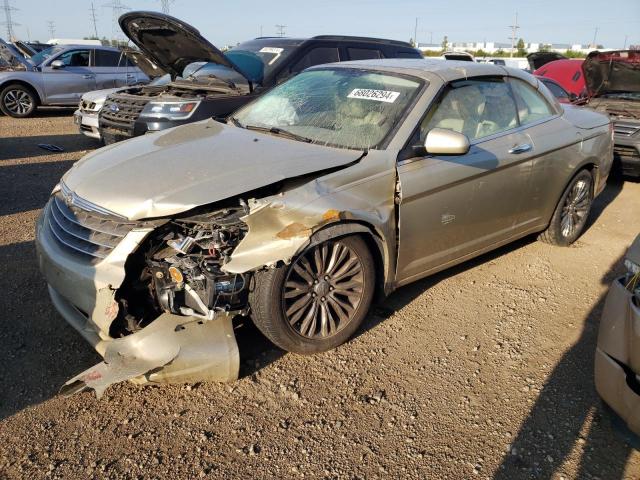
482, 371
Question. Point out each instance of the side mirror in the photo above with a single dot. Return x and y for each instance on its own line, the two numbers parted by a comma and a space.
440, 141
56, 64
573, 97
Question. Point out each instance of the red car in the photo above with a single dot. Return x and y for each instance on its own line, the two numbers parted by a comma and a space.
568, 73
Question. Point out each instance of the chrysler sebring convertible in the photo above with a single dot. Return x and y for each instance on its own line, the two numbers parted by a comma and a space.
335, 187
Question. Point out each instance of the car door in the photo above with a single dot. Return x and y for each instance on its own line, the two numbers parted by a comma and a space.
107, 70
552, 139
65, 85
454, 206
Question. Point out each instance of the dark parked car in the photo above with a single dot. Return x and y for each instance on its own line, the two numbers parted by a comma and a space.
208, 83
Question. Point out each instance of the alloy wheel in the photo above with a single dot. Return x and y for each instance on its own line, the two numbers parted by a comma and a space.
575, 208
323, 289
18, 102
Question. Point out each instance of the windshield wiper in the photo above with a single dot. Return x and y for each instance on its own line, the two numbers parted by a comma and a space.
275, 131
236, 122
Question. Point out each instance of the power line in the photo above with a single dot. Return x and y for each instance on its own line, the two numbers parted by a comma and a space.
117, 7
92, 17
514, 28
280, 29
51, 25
164, 4
9, 23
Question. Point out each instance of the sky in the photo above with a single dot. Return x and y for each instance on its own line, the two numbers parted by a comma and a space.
229, 22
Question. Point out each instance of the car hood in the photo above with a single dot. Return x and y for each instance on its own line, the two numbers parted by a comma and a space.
11, 58
99, 96
170, 43
538, 59
170, 172
612, 72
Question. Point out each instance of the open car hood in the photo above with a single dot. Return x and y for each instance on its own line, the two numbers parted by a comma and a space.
538, 59
149, 68
11, 58
612, 72
170, 43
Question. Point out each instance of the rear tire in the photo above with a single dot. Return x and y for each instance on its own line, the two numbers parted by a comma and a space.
571, 213
319, 300
18, 101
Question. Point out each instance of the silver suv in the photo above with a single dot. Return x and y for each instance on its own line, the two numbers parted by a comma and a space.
59, 75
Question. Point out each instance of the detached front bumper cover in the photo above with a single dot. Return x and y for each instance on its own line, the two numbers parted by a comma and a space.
173, 348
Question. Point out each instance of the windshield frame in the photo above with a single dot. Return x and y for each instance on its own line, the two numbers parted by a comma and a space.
384, 142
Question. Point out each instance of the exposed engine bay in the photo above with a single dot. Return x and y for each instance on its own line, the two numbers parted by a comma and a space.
622, 106
178, 270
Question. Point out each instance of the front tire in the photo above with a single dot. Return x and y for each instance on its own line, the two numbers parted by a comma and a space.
18, 101
319, 300
570, 216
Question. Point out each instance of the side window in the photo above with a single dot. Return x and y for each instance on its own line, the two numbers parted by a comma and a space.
316, 56
107, 58
555, 89
75, 58
532, 106
363, 53
477, 108
407, 54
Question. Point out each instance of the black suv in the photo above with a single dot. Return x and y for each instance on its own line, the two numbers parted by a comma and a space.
208, 83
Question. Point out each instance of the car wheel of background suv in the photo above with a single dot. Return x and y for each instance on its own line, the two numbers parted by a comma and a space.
570, 216
18, 101
319, 300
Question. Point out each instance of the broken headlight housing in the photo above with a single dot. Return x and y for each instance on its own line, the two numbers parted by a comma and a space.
175, 110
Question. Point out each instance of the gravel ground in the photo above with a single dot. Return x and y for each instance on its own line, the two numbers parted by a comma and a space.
482, 371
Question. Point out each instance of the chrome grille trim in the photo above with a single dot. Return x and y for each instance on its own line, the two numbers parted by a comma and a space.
81, 231
625, 129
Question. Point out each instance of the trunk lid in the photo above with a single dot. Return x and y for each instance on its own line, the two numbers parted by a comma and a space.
538, 59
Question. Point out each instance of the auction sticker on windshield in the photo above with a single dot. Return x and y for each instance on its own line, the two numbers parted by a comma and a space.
377, 95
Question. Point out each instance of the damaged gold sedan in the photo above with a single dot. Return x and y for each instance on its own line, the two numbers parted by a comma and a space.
343, 182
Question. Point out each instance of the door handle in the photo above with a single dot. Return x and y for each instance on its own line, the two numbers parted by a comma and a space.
130, 75
525, 147
88, 75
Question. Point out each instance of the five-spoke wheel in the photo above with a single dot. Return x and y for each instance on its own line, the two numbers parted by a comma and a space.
17, 101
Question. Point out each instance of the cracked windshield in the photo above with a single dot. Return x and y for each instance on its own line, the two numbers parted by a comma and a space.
342, 107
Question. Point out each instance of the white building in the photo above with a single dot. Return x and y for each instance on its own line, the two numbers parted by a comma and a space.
493, 47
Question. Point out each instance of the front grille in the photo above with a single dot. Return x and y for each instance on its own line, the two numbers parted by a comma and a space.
626, 129
82, 231
121, 112
624, 151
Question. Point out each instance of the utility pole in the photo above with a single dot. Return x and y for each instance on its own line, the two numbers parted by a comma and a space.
415, 34
261, 30
514, 30
626, 37
51, 25
595, 34
117, 8
165, 5
92, 17
280, 29
9, 23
